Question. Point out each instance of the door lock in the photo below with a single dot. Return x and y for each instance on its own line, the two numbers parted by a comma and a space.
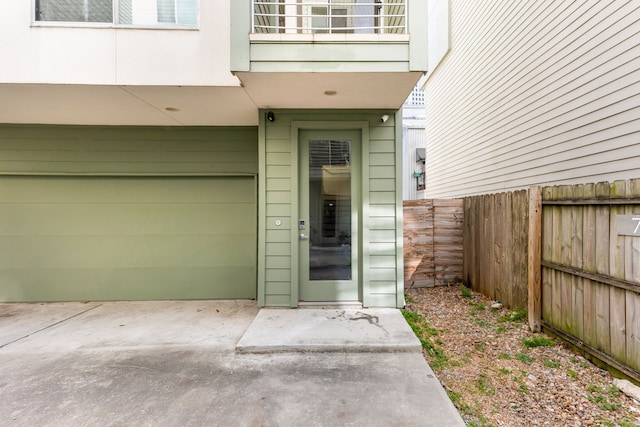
304, 236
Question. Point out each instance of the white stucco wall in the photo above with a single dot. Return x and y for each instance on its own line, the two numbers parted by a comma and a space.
534, 93
52, 53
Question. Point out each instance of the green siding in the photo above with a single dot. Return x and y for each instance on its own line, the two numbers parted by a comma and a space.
278, 56
128, 150
379, 240
110, 213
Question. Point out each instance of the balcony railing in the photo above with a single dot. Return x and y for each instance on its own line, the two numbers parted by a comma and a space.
329, 16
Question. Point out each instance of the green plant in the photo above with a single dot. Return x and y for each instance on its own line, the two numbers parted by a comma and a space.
573, 374
517, 315
551, 363
592, 388
524, 358
456, 398
421, 328
408, 299
466, 292
501, 329
504, 356
480, 322
484, 386
522, 387
538, 341
604, 403
504, 371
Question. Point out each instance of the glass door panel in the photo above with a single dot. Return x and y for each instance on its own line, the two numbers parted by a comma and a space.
328, 215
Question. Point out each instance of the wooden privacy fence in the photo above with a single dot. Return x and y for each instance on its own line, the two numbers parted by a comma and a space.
432, 242
495, 246
591, 269
571, 254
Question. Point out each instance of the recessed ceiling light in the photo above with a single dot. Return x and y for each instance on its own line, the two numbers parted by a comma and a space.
172, 109
330, 92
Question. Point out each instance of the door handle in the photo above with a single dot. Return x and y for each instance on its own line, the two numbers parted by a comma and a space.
304, 236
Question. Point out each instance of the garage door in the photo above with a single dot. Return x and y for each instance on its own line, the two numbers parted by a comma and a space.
112, 238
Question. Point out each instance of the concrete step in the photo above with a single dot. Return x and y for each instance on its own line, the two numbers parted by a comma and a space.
329, 330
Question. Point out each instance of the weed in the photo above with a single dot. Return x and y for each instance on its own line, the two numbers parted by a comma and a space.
424, 332
504, 356
408, 299
627, 422
477, 307
613, 391
456, 398
504, 371
592, 388
604, 403
538, 341
518, 315
522, 388
480, 322
466, 292
524, 358
573, 374
501, 329
483, 384
551, 363
605, 422
480, 346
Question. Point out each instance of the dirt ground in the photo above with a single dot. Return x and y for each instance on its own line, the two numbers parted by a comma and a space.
498, 373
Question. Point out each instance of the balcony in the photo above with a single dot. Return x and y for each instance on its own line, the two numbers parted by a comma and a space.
365, 53
329, 17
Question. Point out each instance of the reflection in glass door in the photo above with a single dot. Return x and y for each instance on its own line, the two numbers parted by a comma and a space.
328, 230
330, 210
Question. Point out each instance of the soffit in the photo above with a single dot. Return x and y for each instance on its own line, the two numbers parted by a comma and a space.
307, 90
126, 105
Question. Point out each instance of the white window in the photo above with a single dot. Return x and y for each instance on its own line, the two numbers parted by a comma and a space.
163, 13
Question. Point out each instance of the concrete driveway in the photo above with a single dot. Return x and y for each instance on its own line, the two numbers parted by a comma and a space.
213, 363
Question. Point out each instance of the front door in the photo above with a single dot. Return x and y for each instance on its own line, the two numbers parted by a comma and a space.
328, 223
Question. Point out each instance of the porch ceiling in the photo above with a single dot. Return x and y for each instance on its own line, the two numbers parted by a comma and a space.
309, 90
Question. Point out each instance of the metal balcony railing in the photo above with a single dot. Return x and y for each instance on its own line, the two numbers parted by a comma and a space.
329, 16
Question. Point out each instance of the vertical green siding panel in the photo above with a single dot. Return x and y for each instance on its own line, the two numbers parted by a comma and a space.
399, 216
262, 196
379, 203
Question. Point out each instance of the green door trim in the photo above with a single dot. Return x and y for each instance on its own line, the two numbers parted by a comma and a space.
363, 249
327, 291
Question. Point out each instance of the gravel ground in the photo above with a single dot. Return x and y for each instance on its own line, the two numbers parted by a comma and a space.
495, 379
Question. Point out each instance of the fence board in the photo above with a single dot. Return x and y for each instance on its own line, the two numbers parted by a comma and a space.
589, 264
495, 242
433, 249
632, 274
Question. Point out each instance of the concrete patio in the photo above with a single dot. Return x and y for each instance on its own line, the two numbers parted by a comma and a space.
214, 363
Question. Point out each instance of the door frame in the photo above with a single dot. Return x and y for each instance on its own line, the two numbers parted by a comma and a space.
330, 286
363, 242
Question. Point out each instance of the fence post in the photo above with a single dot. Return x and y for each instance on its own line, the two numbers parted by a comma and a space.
534, 255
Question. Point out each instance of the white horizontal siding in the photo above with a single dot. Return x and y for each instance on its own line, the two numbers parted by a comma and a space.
534, 93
